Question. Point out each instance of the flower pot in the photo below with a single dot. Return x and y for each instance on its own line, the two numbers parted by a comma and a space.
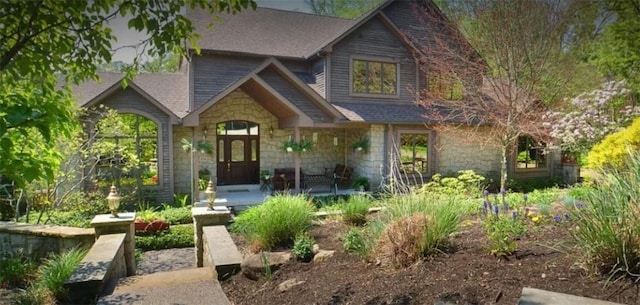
289, 149
358, 148
141, 225
153, 226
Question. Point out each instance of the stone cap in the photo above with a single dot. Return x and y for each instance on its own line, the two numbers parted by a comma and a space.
45, 230
107, 219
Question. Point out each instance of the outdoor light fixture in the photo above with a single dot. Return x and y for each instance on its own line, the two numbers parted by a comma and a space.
271, 131
211, 195
314, 136
204, 132
113, 201
335, 141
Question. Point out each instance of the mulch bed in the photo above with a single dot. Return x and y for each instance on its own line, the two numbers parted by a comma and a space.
468, 274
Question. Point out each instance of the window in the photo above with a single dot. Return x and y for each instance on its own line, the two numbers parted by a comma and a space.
414, 151
531, 154
446, 87
374, 77
127, 151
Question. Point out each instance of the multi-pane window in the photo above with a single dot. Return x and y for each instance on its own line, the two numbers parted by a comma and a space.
530, 154
126, 149
414, 150
374, 77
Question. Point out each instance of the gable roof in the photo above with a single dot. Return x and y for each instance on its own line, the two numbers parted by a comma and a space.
169, 91
266, 31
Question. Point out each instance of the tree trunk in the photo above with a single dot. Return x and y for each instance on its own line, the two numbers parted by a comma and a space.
503, 168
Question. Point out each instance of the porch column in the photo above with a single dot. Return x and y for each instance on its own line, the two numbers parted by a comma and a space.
297, 162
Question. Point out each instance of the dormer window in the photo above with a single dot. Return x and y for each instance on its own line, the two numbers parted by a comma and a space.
374, 77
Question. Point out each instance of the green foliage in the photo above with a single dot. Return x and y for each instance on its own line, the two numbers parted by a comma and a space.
362, 240
178, 236
355, 210
50, 277
303, 247
361, 181
15, 271
181, 200
36, 102
276, 222
615, 149
326, 201
176, 216
526, 185
361, 144
467, 182
350, 9
607, 228
580, 192
502, 232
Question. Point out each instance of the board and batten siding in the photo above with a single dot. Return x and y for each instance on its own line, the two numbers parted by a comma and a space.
214, 73
129, 101
372, 39
294, 95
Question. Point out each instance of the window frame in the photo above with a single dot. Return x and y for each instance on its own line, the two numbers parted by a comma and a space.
430, 149
514, 162
382, 60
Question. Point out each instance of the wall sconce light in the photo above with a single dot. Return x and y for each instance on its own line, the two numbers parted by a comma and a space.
271, 131
335, 141
204, 132
314, 136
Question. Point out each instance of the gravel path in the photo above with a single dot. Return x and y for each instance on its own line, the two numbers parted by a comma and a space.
166, 260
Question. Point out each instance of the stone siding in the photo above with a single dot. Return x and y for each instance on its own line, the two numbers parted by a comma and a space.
181, 161
454, 153
39, 241
369, 163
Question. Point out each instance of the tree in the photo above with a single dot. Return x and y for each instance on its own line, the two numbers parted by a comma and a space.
47, 46
492, 71
591, 116
349, 9
618, 51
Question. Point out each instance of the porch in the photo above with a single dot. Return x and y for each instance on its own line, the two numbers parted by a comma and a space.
241, 197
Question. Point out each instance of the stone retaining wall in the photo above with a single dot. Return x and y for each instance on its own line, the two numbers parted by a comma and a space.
39, 241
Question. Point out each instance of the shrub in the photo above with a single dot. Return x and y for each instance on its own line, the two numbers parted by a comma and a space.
527, 185
502, 232
355, 210
608, 227
467, 182
15, 271
50, 277
303, 247
178, 236
175, 216
614, 150
325, 201
275, 222
417, 226
362, 241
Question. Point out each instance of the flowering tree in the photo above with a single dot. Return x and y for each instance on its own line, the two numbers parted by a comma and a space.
591, 117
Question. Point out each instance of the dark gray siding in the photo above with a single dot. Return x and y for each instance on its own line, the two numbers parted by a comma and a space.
129, 99
295, 65
371, 39
214, 73
317, 71
294, 95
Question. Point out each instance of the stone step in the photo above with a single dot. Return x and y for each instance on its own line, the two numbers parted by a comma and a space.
188, 286
533, 296
221, 251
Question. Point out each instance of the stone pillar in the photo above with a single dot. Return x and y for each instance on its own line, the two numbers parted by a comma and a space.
106, 224
203, 217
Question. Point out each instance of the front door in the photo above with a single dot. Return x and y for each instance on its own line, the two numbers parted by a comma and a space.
238, 153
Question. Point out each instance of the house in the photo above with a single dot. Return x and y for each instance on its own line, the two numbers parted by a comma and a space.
266, 77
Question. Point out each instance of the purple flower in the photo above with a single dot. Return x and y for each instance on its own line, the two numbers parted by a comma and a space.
514, 214
486, 193
557, 218
580, 204
567, 216
486, 204
496, 210
503, 191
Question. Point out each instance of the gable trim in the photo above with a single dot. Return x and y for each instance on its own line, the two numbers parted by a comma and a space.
173, 118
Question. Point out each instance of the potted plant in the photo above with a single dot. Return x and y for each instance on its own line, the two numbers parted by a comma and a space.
361, 184
305, 145
150, 221
289, 146
361, 144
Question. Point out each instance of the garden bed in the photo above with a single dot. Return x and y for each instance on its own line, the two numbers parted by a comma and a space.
467, 274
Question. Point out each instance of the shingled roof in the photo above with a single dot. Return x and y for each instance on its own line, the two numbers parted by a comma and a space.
169, 89
269, 32
381, 113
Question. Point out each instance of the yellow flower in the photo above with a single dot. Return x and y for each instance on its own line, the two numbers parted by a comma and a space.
536, 219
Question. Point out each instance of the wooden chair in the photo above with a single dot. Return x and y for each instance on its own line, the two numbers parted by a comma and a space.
343, 174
